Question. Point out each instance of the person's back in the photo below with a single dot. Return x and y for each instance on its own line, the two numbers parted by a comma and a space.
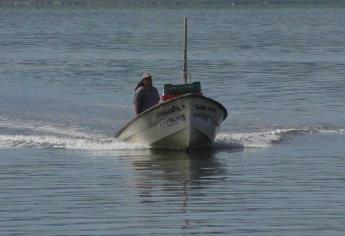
146, 95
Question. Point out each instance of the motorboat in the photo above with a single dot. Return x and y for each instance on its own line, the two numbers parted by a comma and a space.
184, 120
189, 121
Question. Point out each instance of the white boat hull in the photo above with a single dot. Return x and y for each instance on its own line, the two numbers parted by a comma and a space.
184, 123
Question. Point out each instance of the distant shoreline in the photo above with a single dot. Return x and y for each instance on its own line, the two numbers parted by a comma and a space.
166, 3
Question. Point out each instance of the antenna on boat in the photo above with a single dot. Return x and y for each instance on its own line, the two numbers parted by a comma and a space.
185, 71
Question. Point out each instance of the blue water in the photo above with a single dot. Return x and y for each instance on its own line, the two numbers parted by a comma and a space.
67, 79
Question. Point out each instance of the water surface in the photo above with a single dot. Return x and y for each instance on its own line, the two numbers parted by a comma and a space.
67, 80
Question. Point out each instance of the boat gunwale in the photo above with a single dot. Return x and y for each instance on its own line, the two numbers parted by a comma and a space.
169, 101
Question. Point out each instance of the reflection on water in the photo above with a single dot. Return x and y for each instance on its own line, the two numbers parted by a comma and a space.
178, 167
171, 178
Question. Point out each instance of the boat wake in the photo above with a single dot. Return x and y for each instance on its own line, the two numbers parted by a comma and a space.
40, 135
16, 134
47, 141
264, 139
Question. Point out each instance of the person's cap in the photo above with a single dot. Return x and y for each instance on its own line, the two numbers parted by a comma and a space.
146, 75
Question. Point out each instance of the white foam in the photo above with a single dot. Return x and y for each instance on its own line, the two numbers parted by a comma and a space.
250, 140
43, 135
332, 131
33, 141
264, 139
45, 128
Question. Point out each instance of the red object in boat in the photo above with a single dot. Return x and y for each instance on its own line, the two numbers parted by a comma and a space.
167, 97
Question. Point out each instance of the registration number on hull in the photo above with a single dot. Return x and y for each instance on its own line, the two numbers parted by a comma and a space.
172, 121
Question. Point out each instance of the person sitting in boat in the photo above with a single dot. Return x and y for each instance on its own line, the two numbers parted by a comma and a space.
146, 95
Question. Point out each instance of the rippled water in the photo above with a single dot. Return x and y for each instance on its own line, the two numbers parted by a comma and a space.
67, 79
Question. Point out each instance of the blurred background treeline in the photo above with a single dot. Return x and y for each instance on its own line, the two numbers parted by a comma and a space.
163, 2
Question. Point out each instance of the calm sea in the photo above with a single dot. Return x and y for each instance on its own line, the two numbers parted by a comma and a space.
67, 78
